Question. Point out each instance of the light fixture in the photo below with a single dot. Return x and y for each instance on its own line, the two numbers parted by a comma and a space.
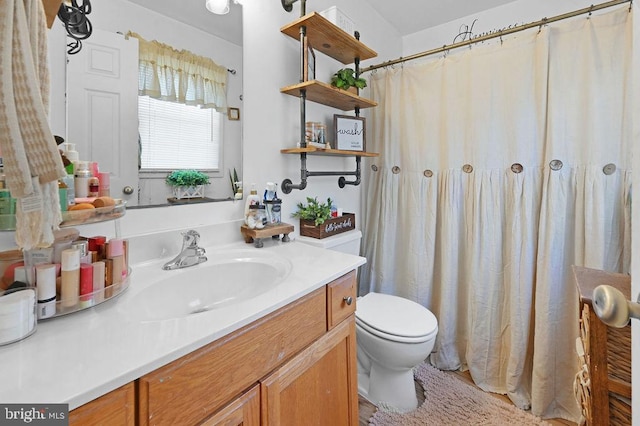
219, 7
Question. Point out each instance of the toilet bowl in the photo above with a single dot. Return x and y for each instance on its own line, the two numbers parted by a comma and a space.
393, 336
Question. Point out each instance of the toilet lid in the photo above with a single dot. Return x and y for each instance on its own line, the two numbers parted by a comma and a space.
395, 316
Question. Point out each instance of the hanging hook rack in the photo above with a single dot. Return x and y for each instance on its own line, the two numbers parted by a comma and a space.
76, 23
287, 185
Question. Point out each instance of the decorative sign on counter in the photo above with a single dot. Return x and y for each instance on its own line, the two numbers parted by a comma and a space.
333, 226
349, 132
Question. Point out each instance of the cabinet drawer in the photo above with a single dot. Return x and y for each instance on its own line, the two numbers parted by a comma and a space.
191, 388
341, 299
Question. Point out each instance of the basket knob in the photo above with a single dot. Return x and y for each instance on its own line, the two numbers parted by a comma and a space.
612, 307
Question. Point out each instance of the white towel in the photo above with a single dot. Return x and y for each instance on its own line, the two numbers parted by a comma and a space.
26, 142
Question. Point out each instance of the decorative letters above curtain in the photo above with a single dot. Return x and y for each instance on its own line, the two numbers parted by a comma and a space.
180, 76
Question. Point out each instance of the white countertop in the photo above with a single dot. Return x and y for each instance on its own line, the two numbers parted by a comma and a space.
76, 358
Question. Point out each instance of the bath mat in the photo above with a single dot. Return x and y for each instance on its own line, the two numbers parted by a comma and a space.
450, 401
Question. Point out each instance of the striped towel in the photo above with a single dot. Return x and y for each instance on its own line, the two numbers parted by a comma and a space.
32, 163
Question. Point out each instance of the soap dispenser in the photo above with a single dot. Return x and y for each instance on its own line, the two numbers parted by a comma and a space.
252, 199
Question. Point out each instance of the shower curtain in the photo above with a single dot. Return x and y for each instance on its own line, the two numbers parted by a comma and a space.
500, 166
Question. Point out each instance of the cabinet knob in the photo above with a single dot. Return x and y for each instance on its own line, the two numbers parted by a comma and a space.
348, 300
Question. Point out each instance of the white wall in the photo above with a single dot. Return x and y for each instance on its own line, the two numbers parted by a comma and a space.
514, 13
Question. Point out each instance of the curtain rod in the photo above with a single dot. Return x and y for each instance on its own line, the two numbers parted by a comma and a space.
500, 33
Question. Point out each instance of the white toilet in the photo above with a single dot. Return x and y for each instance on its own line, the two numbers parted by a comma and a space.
393, 336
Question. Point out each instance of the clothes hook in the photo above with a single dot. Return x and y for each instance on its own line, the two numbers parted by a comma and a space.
612, 307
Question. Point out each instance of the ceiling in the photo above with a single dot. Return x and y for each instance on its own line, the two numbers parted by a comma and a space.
410, 16
407, 16
194, 13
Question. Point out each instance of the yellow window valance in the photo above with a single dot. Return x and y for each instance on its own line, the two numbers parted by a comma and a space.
180, 76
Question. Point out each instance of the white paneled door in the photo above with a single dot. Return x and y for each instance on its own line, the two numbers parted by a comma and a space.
102, 108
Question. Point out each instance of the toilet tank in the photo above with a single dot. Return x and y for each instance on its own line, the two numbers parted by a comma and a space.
346, 242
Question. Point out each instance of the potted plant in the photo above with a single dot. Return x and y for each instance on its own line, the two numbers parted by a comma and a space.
346, 79
187, 183
313, 211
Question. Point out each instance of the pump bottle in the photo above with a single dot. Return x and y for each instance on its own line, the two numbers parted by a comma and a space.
252, 199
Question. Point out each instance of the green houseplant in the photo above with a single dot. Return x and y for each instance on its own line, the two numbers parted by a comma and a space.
314, 210
346, 78
187, 183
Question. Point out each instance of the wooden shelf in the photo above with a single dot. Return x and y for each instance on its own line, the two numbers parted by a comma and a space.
51, 8
326, 94
330, 152
326, 37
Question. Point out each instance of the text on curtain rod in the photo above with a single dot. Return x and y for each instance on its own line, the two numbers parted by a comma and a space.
466, 31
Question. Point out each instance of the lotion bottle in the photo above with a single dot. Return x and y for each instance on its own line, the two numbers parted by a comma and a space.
252, 199
70, 278
115, 253
82, 175
98, 281
46, 278
86, 285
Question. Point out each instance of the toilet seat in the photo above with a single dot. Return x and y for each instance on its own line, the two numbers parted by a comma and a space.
395, 318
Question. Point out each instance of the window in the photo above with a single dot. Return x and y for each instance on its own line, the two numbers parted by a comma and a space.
178, 136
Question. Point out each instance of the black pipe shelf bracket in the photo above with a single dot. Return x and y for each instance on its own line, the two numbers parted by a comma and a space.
307, 29
287, 185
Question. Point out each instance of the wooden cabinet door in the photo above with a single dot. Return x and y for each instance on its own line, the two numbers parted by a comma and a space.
318, 386
116, 408
244, 411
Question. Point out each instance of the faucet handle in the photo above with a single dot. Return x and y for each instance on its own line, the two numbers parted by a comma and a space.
191, 238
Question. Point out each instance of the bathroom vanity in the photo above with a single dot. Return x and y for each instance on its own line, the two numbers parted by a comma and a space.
287, 356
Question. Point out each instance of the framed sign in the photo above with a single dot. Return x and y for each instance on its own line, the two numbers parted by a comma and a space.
233, 114
349, 132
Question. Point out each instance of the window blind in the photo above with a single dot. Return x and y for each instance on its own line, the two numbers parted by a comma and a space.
178, 136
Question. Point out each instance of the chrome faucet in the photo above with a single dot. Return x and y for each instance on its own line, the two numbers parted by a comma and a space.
190, 254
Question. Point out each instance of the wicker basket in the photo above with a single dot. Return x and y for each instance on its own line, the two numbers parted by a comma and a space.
618, 370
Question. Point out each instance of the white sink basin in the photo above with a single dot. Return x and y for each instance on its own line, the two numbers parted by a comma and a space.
228, 277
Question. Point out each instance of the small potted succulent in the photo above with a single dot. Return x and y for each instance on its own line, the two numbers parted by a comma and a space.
187, 183
346, 78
